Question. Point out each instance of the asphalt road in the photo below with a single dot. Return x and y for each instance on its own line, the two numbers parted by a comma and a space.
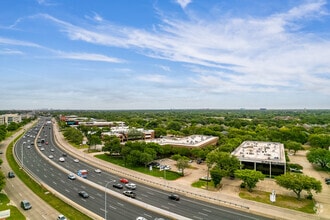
54, 173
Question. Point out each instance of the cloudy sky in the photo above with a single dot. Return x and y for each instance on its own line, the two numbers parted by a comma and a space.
164, 54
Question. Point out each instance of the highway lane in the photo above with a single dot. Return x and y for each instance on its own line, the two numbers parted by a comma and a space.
188, 207
58, 180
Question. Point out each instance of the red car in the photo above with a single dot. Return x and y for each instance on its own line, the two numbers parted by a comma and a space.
124, 181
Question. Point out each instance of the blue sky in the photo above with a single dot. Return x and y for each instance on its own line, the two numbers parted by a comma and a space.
164, 54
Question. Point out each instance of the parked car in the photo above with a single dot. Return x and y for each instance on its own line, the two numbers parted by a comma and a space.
130, 186
124, 180
26, 205
61, 217
83, 194
173, 196
129, 193
118, 186
11, 174
295, 170
327, 181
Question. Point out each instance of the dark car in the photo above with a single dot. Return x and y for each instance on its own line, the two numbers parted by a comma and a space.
118, 186
174, 197
26, 205
129, 194
11, 174
327, 181
83, 194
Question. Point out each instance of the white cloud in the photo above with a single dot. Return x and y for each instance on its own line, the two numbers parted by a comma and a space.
183, 3
7, 41
156, 78
90, 57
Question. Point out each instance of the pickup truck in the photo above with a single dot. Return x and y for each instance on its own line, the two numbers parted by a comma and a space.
129, 193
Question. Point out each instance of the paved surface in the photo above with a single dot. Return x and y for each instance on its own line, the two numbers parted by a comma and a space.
16, 190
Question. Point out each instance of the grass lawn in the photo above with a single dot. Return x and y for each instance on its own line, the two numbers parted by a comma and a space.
205, 185
168, 175
14, 211
303, 205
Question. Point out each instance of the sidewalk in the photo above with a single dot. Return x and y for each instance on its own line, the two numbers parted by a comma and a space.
16, 190
226, 197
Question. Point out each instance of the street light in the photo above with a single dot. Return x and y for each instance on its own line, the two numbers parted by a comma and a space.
105, 198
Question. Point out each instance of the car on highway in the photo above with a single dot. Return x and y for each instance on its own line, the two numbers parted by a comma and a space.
141, 218
123, 180
129, 193
76, 160
83, 194
50, 156
173, 196
71, 176
52, 150
130, 186
42, 149
118, 186
11, 174
61, 217
61, 159
97, 171
26, 205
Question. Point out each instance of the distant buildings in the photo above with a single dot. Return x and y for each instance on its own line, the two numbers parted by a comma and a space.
8, 118
125, 133
193, 141
267, 157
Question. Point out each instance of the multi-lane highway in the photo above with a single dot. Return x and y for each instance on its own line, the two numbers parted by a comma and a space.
55, 174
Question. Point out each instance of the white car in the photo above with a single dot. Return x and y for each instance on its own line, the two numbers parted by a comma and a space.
61, 217
61, 159
50, 156
141, 218
42, 149
98, 171
130, 186
71, 176
52, 150
76, 160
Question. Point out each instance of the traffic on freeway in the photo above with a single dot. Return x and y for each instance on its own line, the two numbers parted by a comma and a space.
101, 185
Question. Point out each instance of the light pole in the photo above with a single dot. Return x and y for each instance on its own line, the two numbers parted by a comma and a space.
105, 198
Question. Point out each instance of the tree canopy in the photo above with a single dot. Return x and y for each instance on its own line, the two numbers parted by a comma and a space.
319, 157
298, 182
250, 177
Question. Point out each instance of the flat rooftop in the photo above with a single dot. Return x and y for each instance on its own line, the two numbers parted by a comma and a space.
190, 141
261, 152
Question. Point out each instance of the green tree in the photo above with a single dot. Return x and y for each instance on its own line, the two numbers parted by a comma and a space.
145, 158
3, 132
73, 135
298, 182
112, 144
13, 126
224, 161
294, 146
250, 177
182, 164
2, 181
216, 175
319, 140
319, 156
